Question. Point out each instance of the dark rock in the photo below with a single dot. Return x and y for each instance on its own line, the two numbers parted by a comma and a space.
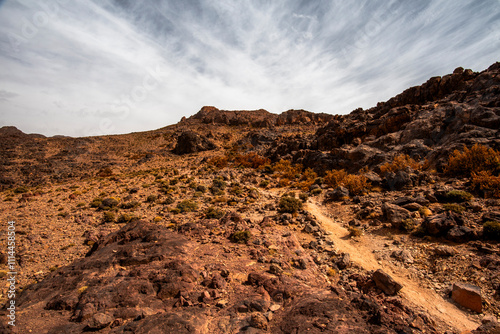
191, 142
468, 296
337, 195
399, 180
439, 224
386, 283
461, 234
258, 320
395, 214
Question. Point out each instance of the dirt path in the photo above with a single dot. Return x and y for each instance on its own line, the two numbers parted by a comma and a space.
361, 252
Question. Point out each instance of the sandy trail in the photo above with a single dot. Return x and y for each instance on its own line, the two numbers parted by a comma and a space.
361, 252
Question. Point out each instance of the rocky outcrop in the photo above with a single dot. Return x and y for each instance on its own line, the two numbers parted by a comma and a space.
191, 142
425, 122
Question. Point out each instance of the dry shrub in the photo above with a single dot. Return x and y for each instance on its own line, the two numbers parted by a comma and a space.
356, 184
487, 183
478, 158
250, 160
400, 162
219, 161
284, 169
334, 178
307, 179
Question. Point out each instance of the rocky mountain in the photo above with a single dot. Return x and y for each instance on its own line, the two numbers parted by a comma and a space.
385, 220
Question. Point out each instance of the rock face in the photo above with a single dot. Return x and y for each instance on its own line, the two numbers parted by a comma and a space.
191, 142
426, 121
468, 296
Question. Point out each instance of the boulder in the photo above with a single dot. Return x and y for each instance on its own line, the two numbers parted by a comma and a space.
337, 195
395, 214
191, 142
467, 295
386, 283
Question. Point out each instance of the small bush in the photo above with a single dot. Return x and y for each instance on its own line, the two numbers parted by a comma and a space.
400, 162
303, 197
250, 160
289, 204
286, 170
201, 188
108, 203
187, 206
476, 159
20, 190
108, 217
151, 198
356, 184
335, 177
214, 213
130, 205
424, 211
105, 172
408, 225
459, 196
96, 202
491, 230
354, 231
126, 218
487, 183
264, 183
219, 161
457, 208
307, 179
316, 191
240, 237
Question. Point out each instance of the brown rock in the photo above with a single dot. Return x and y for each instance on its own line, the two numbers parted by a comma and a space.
467, 295
386, 283
258, 320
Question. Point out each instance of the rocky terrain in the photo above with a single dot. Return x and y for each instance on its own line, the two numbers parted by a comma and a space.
385, 220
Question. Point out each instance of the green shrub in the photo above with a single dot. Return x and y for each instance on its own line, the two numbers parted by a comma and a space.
491, 230
218, 186
187, 206
459, 196
214, 213
289, 204
457, 208
303, 197
240, 237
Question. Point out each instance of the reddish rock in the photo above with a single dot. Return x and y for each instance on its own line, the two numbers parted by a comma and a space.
468, 296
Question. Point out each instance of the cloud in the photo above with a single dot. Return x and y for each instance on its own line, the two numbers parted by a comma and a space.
94, 67
6, 95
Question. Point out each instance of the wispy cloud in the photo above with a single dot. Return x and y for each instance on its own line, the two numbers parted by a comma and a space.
91, 67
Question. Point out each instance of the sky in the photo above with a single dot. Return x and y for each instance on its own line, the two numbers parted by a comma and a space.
93, 67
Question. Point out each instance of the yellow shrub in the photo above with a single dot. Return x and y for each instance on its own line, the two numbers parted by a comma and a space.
250, 160
307, 179
400, 162
285, 169
487, 182
334, 178
356, 184
476, 159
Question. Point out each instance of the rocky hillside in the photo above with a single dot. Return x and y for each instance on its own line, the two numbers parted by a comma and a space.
386, 220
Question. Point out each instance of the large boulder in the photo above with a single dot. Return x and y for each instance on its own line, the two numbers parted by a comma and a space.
191, 142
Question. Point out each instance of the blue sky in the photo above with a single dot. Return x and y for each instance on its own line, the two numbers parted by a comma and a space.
86, 67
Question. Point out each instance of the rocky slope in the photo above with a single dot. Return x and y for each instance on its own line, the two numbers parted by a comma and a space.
201, 227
